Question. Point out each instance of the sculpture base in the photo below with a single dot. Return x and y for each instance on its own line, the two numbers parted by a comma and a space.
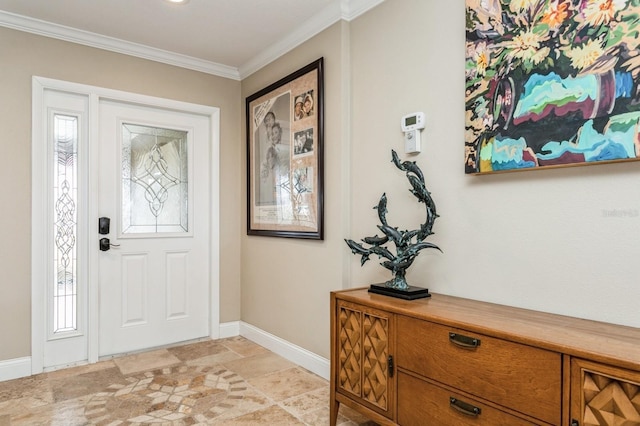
411, 293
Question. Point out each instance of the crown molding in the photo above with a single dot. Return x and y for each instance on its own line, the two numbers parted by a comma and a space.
327, 17
355, 8
73, 35
340, 9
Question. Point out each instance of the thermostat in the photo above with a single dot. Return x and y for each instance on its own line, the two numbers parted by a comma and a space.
411, 125
414, 121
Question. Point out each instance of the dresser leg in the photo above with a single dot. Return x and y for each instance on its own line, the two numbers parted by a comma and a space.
333, 412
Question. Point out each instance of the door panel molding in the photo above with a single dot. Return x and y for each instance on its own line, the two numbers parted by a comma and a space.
135, 289
41, 220
176, 280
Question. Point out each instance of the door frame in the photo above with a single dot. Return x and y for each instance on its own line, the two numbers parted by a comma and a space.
39, 215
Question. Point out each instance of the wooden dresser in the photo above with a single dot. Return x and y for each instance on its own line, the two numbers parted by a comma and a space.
448, 361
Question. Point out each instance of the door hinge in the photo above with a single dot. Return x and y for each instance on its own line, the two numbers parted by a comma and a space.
390, 365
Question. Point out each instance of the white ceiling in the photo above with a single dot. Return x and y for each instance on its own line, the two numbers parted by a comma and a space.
231, 38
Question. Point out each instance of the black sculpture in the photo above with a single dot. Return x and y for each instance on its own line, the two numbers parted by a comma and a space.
408, 243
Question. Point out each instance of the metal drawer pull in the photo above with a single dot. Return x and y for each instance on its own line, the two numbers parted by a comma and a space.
464, 341
464, 408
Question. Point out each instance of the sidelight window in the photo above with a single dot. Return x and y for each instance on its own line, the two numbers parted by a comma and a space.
65, 222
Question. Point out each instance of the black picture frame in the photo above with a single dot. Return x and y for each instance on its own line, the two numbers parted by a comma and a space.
285, 156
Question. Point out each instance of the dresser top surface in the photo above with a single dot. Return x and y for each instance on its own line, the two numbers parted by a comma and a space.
599, 341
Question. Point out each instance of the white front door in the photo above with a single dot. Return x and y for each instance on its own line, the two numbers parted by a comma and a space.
154, 187
161, 284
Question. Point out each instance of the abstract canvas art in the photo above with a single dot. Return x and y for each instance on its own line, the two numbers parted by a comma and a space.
551, 83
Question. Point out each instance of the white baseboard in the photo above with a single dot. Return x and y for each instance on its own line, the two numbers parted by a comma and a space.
15, 368
229, 329
21, 367
304, 358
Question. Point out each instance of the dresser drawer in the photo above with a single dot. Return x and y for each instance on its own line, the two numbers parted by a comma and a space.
520, 377
421, 403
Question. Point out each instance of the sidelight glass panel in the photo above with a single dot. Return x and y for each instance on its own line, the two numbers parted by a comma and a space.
154, 180
65, 196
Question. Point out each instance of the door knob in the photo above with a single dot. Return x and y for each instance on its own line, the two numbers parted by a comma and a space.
106, 245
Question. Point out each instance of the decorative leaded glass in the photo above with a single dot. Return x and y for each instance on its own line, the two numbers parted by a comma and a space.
65, 196
154, 180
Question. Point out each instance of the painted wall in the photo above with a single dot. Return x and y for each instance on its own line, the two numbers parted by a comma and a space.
24, 55
286, 282
562, 241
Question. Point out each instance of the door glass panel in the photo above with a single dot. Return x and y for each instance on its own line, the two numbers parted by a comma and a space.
65, 196
154, 180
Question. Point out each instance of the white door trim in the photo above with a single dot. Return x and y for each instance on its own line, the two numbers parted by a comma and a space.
39, 214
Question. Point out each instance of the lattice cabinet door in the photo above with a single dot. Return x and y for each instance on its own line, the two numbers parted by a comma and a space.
602, 395
364, 357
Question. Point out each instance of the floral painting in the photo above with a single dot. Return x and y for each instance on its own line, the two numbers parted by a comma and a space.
551, 83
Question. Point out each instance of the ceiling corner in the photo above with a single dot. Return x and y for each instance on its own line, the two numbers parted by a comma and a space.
351, 9
341, 9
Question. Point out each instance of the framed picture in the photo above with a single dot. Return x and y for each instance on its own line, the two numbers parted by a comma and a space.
285, 164
551, 84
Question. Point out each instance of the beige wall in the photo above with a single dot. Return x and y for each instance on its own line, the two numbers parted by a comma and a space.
286, 282
539, 240
24, 55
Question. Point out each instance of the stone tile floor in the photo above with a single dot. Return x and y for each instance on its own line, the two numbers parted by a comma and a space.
229, 381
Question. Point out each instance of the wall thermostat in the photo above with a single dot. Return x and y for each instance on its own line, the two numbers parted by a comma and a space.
414, 121
411, 125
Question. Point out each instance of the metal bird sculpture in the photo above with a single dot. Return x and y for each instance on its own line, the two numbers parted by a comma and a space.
408, 244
